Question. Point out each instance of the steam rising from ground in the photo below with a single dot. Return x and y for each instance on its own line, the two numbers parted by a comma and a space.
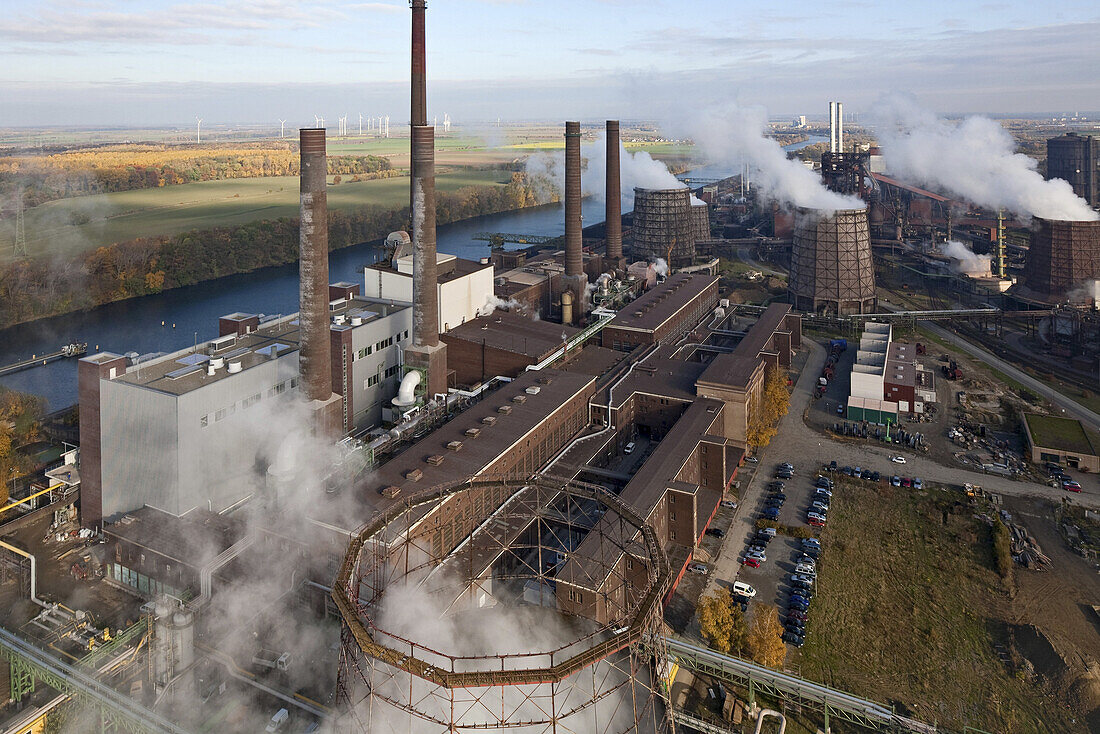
974, 159
636, 169
732, 135
967, 260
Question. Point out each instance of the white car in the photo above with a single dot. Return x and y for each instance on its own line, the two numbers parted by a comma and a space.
806, 569
698, 568
759, 555
730, 504
820, 506
802, 578
742, 589
897, 459
815, 516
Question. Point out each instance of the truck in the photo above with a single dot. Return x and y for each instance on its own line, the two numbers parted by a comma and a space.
271, 659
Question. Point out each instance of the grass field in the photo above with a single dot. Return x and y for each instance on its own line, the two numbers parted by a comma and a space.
906, 613
72, 225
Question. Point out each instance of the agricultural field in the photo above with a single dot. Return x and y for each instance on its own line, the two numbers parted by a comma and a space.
77, 224
909, 610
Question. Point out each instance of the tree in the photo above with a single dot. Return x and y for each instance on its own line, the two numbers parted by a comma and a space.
722, 623
777, 401
765, 637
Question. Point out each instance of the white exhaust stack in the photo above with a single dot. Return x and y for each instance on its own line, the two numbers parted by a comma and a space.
832, 127
839, 127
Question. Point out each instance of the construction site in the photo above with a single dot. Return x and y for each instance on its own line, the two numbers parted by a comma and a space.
471, 494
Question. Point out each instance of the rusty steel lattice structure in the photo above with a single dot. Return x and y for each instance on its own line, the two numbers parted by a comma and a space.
590, 677
832, 271
663, 226
1063, 257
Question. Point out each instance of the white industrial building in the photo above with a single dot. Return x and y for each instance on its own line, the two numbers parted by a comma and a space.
465, 286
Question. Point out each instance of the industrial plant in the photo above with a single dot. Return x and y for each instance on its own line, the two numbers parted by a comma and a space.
488, 493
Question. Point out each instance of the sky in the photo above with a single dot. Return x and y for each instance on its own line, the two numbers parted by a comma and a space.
164, 62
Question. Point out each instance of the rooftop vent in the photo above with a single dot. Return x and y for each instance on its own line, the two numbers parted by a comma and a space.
473, 432
391, 491
234, 367
519, 399
505, 409
435, 459
454, 445
414, 475
488, 420
533, 390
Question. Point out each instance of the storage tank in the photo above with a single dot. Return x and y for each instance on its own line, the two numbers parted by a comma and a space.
663, 226
831, 267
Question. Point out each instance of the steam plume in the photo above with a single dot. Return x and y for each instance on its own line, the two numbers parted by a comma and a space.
974, 159
733, 134
967, 260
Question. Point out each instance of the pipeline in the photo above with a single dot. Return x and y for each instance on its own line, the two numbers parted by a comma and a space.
34, 574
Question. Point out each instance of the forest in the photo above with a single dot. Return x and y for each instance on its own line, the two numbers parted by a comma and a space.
35, 288
43, 178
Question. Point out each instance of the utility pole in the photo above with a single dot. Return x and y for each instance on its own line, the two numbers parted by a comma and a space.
20, 230
198, 130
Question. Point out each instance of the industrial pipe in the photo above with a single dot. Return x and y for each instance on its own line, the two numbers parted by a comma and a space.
406, 394
574, 261
34, 572
613, 213
314, 354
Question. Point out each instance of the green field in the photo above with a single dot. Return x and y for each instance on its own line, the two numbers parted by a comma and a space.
906, 612
72, 225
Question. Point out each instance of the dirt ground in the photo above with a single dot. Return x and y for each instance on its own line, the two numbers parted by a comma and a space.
1051, 618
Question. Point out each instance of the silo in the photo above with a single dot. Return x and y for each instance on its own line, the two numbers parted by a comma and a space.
1063, 256
663, 226
831, 267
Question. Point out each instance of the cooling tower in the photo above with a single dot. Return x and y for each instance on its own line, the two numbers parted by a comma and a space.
831, 267
663, 226
700, 220
1064, 256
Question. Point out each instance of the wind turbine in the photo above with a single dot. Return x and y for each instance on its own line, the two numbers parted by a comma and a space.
360, 124
282, 126
198, 130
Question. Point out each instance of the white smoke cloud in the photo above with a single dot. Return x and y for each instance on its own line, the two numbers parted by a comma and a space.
636, 169
661, 267
1086, 293
732, 135
492, 303
967, 261
974, 159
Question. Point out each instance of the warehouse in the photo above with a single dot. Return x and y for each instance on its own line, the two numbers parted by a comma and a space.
663, 313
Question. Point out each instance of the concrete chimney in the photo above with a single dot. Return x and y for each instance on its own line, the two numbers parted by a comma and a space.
613, 214
426, 353
314, 356
575, 279
839, 127
832, 127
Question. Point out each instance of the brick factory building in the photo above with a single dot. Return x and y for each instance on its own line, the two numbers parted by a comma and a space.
663, 313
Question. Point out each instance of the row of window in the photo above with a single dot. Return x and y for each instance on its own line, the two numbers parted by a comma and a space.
248, 402
379, 346
144, 585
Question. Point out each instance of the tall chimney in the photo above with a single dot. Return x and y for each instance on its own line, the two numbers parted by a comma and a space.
832, 127
613, 214
574, 261
314, 356
426, 353
839, 127
575, 279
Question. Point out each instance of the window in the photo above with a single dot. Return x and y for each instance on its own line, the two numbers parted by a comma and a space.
293, 382
372, 380
279, 389
204, 421
219, 415
406, 333
672, 535
672, 516
250, 401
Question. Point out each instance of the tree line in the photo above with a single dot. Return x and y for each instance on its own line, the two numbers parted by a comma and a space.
32, 289
39, 179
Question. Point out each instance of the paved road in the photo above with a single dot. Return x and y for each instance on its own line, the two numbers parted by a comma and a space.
1071, 407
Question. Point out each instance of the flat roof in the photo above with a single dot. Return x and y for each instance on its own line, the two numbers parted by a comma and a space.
193, 539
674, 379
662, 302
1062, 434
759, 334
730, 370
186, 370
511, 332
462, 267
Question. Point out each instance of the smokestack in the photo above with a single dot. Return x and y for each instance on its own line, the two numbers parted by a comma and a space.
832, 127
426, 353
574, 261
613, 215
839, 127
314, 356
419, 113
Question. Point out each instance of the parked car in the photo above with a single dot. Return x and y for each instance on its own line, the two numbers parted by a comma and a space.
857, 472
629, 448
777, 486
752, 562
898, 459
801, 594
806, 569
784, 475
762, 555
847, 471
770, 532
875, 476
840, 409
822, 492
802, 578
751, 460
716, 532
815, 516
698, 567
1071, 486
787, 465
771, 513
831, 466
277, 721
811, 543
815, 522
730, 504
742, 589
824, 481
805, 558
798, 603
812, 553
799, 615
918, 483
895, 480
906, 482
821, 506
794, 639
774, 501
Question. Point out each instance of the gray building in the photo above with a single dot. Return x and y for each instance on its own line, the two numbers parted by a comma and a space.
197, 428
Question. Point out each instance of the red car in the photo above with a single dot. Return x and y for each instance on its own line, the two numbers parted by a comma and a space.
906, 482
796, 614
816, 523
1071, 486
752, 562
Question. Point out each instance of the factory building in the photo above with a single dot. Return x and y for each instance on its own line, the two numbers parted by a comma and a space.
1076, 159
502, 343
887, 378
464, 287
662, 313
184, 430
